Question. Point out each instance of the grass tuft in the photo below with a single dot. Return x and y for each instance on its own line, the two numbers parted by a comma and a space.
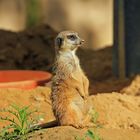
20, 123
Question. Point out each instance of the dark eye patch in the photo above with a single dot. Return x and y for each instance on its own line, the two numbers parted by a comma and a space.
72, 37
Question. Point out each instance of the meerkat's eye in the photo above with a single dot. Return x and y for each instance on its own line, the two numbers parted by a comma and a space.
71, 37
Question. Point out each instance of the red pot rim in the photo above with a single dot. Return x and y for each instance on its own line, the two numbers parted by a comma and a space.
23, 79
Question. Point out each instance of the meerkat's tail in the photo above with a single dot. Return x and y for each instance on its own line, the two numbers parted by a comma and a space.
50, 124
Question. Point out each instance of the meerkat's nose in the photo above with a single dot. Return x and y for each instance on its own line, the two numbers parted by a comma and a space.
82, 41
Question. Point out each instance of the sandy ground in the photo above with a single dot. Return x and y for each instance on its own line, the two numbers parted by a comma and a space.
116, 101
69, 133
119, 114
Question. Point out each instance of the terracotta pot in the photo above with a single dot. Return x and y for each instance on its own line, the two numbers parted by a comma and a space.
23, 79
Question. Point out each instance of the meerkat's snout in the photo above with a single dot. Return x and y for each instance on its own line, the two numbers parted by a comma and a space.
74, 39
81, 42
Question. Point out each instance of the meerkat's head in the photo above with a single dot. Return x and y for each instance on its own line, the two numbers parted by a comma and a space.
67, 41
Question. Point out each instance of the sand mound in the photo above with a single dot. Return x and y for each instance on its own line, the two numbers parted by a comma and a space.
70, 133
117, 112
133, 88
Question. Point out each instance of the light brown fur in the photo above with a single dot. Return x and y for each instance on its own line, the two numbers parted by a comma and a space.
70, 85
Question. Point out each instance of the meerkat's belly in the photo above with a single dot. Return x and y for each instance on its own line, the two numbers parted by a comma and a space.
68, 102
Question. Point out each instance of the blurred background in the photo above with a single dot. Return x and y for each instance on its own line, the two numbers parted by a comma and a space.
93, 19
30, 26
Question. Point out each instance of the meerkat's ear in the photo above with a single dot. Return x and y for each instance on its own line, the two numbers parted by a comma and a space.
58, 41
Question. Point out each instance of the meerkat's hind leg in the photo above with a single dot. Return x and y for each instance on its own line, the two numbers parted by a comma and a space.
72, 117
84, 114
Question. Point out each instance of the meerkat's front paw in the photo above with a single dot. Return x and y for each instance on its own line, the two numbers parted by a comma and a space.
85, 98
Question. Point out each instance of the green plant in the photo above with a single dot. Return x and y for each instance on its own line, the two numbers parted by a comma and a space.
20, 124
33, 9
94, 117
89, 135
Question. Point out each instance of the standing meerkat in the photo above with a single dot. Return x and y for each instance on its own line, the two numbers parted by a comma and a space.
69, 84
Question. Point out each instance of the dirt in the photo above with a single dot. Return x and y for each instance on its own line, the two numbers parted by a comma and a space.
69, 133
118, 114
116, 101
30, 49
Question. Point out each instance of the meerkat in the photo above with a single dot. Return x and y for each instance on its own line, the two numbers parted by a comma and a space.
70, 85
